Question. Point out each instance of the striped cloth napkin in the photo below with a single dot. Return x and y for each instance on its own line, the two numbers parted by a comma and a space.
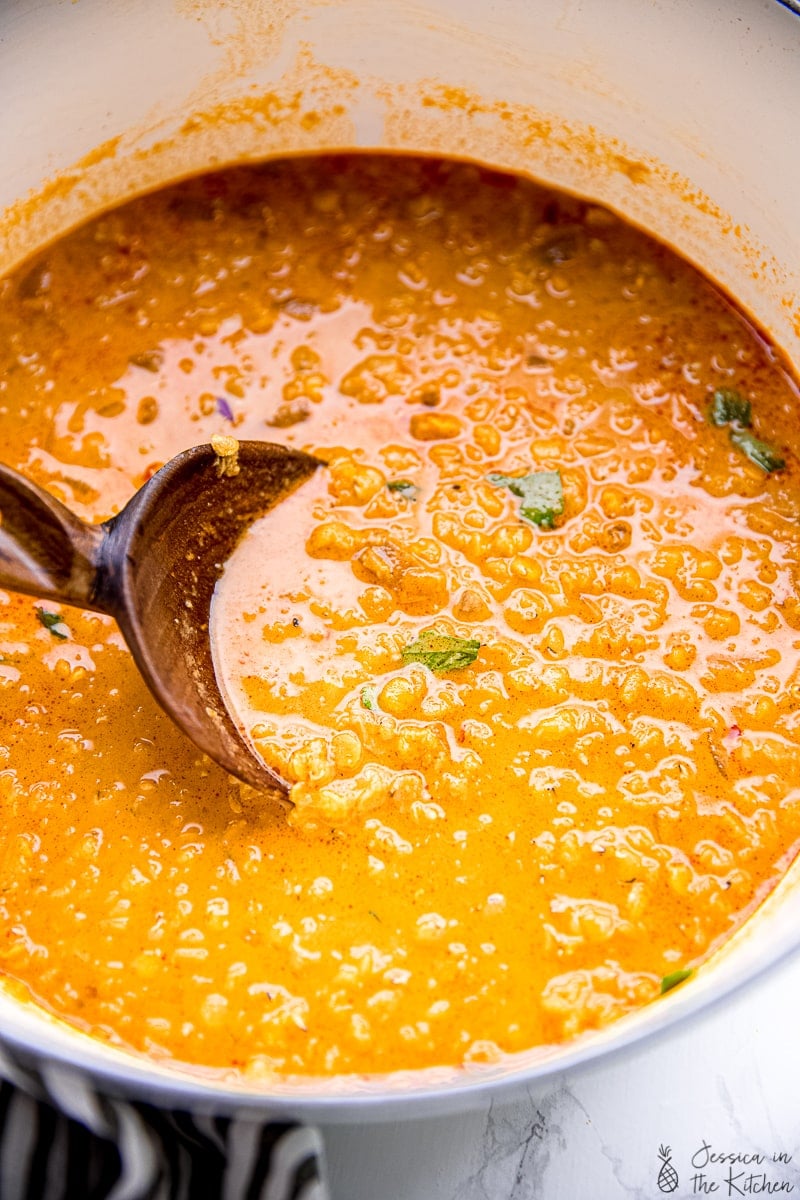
61, 1140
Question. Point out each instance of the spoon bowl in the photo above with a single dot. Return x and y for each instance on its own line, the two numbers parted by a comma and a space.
154, 568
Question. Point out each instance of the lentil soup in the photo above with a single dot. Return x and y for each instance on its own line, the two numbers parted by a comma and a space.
525, 649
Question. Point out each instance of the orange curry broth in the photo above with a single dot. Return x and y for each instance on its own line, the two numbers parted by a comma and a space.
595, 802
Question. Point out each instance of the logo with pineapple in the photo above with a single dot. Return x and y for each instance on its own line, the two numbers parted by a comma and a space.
667, 1176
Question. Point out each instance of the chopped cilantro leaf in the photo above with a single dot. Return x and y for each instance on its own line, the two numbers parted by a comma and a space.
729, 407
368, 698
404, 488
440, 652
760, 453
54, 622
674, 978
541, 493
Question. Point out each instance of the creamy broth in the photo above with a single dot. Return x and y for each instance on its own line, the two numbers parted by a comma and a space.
499, 850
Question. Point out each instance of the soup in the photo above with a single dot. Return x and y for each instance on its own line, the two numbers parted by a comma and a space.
524, 649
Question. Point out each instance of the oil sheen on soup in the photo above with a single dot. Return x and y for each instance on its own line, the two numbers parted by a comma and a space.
525, 649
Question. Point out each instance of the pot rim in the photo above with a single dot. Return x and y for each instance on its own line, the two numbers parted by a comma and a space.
395, 1095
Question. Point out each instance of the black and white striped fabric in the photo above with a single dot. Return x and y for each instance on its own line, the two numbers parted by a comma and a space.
61, 1140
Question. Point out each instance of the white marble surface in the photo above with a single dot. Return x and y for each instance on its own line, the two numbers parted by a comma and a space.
729, 1081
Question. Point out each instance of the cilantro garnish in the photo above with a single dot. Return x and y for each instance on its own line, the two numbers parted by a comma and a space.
368, 698
729, 407
54, 622
440, 652
404, 488
760, 453
542, 495
674, 978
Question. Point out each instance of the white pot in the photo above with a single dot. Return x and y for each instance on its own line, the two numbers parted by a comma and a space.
679, 114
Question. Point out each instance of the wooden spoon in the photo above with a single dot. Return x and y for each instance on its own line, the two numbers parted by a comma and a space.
153, 568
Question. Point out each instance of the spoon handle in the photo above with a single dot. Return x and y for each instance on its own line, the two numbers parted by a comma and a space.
45, 550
